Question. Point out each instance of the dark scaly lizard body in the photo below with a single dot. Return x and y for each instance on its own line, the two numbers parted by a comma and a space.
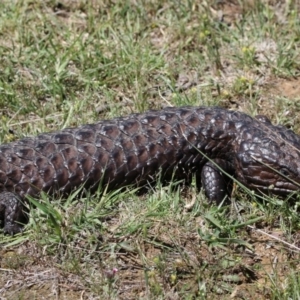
132, 149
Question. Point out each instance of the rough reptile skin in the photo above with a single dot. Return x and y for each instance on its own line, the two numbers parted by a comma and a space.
176, 142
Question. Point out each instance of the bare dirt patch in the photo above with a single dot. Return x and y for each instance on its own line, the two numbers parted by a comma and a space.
289, 88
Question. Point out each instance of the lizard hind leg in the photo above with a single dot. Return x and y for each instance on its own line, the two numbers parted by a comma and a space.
12, 213
216, 184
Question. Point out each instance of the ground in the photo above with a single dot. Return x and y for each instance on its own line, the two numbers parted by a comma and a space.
66, 63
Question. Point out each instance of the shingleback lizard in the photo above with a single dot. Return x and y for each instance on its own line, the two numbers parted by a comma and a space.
176, 142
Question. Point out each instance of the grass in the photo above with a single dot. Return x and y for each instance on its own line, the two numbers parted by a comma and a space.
65, 63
